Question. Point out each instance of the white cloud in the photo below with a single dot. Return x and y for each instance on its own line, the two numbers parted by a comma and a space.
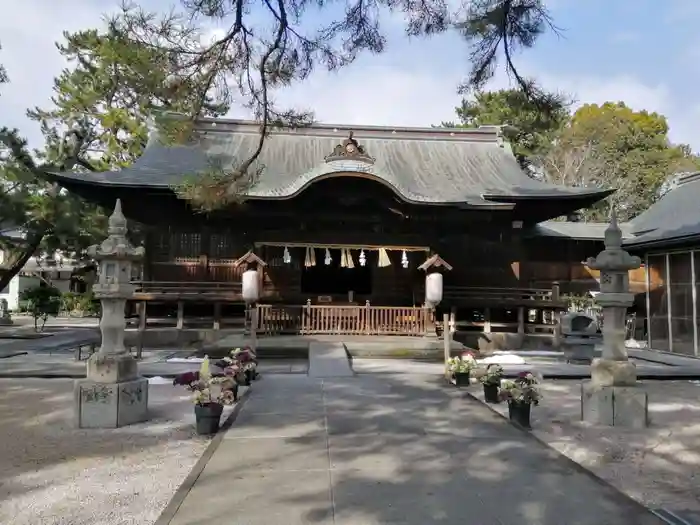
373, 91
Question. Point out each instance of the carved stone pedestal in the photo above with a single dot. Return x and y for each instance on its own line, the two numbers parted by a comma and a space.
612, 396
618, 406
111, 405
113, 395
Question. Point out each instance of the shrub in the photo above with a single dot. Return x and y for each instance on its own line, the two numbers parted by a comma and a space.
41, 302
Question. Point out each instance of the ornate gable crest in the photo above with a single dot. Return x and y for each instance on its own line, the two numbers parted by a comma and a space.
350, 149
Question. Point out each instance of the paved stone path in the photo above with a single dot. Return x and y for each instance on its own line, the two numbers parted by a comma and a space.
388, 450
328, 360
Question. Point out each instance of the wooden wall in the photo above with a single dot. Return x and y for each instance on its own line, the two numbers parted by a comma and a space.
208, 256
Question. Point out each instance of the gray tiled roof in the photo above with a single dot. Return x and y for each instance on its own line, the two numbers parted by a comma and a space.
434, 165
674, 217
584, 231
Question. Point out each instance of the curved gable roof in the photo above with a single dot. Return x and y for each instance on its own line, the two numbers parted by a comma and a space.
431, 166
672, 218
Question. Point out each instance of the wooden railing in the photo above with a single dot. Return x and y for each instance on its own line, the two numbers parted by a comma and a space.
186, 287
505, 296
344, 320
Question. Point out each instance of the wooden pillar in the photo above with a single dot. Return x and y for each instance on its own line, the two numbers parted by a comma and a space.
555, 292
487, 320
446, 343
217, 316
180, 315
254, 328
521, 320
143, 322
147, 263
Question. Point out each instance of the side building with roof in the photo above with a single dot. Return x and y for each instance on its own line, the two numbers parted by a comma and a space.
667, 237
345, 216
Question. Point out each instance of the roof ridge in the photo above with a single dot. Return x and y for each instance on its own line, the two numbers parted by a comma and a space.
481, 134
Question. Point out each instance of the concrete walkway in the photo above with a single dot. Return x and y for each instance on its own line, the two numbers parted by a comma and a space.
386, 449
328, 360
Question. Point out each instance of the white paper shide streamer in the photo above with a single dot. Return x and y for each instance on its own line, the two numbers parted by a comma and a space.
404, 259
310, 259
384, 260
348, 259
286, 257
362, 258
327, 260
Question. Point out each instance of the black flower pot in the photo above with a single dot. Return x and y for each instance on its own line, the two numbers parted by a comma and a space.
491, 393
519, 413
250, 375
461, 378
208, 417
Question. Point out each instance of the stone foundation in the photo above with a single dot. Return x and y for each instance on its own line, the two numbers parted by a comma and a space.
110, 405
619, 406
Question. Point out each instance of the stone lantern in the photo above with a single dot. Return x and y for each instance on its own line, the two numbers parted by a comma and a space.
612, 396
113, 394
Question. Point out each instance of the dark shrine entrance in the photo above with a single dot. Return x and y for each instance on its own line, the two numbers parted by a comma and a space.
334, 279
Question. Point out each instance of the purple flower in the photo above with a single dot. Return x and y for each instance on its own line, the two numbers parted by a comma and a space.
186, 379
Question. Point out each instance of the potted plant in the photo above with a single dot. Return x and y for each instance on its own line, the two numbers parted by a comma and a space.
210, 394
492, 381
521, 394
460, 368
249, 362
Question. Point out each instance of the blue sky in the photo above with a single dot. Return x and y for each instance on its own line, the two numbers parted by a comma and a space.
638, 52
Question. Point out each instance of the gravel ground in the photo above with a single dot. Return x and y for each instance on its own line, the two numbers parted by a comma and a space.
53, 473
658, 466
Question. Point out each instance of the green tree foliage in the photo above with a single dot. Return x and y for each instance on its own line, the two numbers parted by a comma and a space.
262, 50
98, 121
113, 89
613, 146
47, 217
528, 129
41, 302
606, 146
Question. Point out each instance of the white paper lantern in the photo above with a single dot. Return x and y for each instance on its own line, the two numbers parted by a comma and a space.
433, 288
249, 284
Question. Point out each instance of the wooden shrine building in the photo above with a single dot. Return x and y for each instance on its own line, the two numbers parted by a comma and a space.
344, 220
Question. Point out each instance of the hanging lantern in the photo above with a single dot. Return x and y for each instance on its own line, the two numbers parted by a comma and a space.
362, 258
433, 288
404, 259
286, 257
249, 285
327, 261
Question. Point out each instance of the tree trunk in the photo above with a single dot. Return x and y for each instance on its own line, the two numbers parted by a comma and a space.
30, 249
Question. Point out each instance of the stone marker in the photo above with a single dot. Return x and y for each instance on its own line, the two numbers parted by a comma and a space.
5, 318
612, 396
113, 395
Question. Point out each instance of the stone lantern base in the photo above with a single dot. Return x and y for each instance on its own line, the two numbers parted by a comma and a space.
113, 395
612, 396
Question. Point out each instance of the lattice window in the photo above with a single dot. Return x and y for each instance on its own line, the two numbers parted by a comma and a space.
186, 244
160, 246
221, 246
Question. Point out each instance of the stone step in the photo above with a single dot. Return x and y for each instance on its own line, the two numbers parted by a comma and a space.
327, 359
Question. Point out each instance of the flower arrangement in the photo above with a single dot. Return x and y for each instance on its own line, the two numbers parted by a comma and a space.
208, 388
493, 375
247, 360
461, 364
523, 390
